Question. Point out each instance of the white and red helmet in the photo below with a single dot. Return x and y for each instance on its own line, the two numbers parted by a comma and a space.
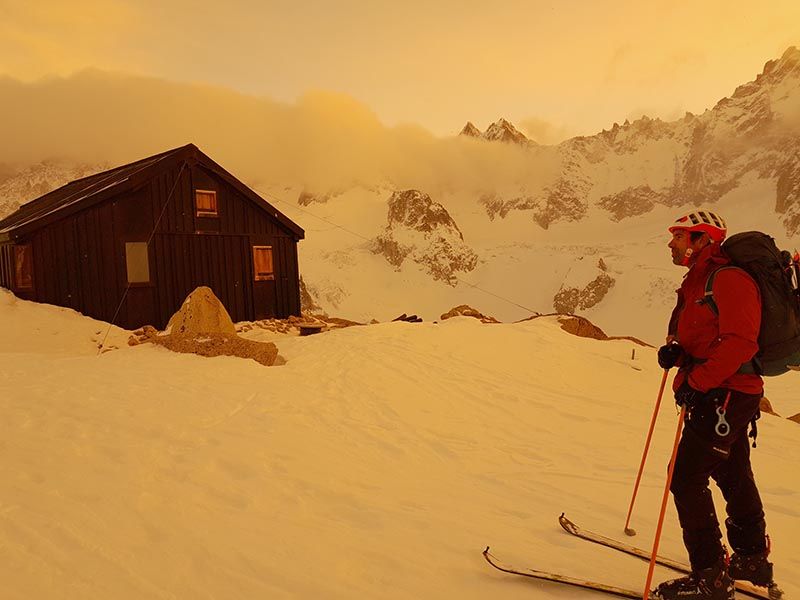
703, 220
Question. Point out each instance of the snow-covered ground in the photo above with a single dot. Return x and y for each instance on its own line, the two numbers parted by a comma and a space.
378, 462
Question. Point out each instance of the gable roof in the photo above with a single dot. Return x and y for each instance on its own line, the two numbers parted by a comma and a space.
82, 193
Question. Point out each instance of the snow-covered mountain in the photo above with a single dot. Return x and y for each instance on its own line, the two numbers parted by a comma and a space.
530, 237
540, 245
20, 184
629, 168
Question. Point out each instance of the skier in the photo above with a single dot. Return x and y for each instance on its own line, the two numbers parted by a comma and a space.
721, 392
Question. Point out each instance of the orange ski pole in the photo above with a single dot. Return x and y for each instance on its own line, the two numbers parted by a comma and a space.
628, 529
670, 472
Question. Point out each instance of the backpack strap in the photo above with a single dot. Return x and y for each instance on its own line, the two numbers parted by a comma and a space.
751, 367
708, 296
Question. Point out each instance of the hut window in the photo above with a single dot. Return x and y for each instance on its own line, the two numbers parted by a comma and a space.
262, 261
206, 203
137, 262
23, 267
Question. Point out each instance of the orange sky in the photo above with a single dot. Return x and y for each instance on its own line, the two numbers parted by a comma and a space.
555, 68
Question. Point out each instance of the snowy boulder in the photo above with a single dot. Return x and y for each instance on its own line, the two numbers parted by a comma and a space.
202, 326
467, 311
201, 312
581, 327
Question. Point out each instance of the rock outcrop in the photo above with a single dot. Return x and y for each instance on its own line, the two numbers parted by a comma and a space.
292, 324
202, 326
630, 202
307, 302
307, 197
583, 327
568, 299
422, 230
464, 310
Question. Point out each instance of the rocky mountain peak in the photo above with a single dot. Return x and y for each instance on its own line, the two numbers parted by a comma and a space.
499, 131
471, 131
786, 65
776, 71
503, 131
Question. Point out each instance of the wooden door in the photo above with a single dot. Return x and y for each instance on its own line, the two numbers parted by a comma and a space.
264, 280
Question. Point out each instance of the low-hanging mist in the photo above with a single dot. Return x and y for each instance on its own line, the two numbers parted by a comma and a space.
322, 141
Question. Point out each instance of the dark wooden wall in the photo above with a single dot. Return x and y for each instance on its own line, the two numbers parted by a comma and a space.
79, 262
6, 265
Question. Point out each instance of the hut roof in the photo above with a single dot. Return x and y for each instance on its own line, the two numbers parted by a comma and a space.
81, 193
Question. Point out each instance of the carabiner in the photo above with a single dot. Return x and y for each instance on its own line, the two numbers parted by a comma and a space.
722, 427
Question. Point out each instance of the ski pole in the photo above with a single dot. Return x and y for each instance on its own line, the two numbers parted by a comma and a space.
628, 530
670, 472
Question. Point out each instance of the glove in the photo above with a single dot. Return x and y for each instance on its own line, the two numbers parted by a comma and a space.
669, 355
686, 395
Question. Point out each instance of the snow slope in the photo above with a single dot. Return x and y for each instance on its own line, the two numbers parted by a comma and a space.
377, 463
520, 266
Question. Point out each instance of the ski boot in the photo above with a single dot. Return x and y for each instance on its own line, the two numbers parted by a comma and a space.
712, 583
756, 569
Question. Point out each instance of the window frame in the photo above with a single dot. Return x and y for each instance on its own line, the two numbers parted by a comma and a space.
265, 276
203, 213
25, 249
149, 282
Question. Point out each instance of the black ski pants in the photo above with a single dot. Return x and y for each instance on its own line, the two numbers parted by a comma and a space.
703, 453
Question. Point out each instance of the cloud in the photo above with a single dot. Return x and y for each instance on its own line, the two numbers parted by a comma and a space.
617, 61
545, 132
323, 140
629, 65
52, 36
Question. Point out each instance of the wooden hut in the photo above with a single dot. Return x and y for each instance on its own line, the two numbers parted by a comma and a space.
129, 244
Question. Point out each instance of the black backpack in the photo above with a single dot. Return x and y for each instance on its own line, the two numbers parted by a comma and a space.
777, 274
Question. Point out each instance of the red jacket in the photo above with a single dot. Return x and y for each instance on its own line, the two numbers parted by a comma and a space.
725, 341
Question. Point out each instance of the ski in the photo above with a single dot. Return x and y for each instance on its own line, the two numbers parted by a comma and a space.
746, 588
562, 579
596, 538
